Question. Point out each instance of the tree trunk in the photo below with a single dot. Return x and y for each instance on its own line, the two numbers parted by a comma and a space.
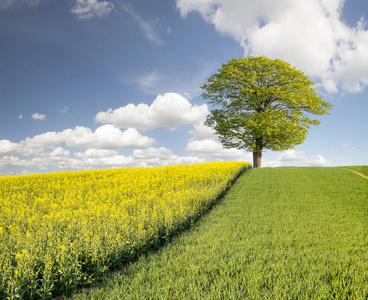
257, 157
257, 154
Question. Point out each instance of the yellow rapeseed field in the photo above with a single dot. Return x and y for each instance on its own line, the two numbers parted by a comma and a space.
65, 229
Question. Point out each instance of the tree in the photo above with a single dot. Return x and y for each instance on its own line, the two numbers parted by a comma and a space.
260, 104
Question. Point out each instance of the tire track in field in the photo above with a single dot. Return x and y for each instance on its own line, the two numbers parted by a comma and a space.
356, 172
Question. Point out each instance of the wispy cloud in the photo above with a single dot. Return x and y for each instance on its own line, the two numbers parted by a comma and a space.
5, 4
149, 82
63, 110
348, 148
148, 28
159, 81
38, 116
86, 9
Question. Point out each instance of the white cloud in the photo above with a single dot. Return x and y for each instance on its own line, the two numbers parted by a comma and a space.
38, 116
104, 137
63, 110
351, 64
50, 150
5, 4
93, 158
185, 83
11, 161
149, 82
309, 34
109, 161
152, 153
202, 132
348, 148
95, 153
293, 156
204, 146
214, 151
8, 148
20, 117
60, 152
168, 110
148, 28
271, 163
163, 157
86, 9
205, 7
107, 137
319, 161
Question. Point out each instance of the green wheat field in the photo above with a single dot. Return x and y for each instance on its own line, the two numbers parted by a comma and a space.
279, 233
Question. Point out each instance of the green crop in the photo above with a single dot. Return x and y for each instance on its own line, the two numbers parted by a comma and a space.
282, 233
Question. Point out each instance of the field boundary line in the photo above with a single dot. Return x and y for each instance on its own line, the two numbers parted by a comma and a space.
122, 269
356, 172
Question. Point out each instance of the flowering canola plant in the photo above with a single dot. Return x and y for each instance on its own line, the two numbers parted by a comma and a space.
61, 230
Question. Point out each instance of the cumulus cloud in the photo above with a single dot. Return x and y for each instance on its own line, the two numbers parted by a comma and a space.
8, 148
93, 158
107, 137
13, 161
202, 132
293, 156
95, 153
309, 34
168, 110
38, 116
109, 161
102, 147
51, 150
86, 9
60, 152
104, 137
319, 161
214, 151
163, 157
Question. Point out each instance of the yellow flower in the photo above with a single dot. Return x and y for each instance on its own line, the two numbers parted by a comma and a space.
103, 210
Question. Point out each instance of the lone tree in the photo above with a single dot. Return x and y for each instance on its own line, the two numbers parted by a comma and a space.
262, 104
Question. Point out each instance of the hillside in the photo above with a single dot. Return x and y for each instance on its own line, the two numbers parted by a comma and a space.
282, 233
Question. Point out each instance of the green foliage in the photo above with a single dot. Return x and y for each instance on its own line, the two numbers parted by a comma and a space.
281, 233
262, 103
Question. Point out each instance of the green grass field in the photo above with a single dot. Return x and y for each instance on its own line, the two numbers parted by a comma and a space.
282, 233
360, 169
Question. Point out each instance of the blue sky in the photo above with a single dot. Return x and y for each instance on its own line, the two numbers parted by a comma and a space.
88, 84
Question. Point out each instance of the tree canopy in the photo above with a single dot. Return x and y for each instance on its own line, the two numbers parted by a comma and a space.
260, 104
